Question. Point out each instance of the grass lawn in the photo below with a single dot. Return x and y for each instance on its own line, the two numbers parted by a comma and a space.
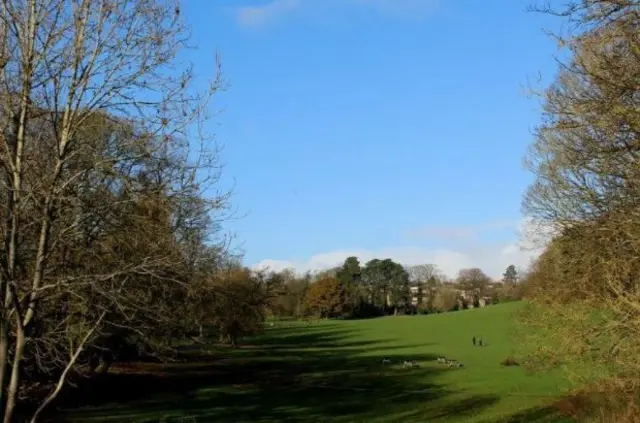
332, 371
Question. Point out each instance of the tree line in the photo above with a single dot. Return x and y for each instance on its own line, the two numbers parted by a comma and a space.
385, 287
112, 203
583, 301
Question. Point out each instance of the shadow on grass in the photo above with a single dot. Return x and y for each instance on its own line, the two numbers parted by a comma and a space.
545, 414
302, 374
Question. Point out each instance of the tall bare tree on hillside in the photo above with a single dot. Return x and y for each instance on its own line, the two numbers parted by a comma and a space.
586, 150
62, 64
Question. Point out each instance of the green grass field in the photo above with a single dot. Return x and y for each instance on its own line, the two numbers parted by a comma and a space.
332, 371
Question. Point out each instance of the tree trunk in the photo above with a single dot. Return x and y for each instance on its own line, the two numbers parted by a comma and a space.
14, 383
63, 377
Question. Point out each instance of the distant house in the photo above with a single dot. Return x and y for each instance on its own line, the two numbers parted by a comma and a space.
463, 295
468, 298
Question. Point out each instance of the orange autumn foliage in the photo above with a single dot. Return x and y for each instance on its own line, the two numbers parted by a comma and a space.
326, 298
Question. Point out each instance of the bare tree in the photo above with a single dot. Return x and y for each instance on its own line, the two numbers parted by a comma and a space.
446, 298
429, 278
586, 150
70, 72
239, 304
474, 282
424, 272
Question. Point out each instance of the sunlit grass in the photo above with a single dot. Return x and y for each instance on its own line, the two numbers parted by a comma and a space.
333, 371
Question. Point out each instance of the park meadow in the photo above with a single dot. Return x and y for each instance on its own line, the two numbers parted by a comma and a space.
333, 370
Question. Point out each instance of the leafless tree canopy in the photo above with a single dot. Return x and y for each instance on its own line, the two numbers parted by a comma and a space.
586, 150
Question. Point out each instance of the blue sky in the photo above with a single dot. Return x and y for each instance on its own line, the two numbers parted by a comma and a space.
390, 128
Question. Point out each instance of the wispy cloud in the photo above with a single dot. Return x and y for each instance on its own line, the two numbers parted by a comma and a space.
259, 15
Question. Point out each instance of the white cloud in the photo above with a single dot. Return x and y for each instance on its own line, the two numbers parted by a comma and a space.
492, 258
276, 9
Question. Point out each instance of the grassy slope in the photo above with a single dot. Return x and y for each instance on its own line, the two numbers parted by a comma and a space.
332, 371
